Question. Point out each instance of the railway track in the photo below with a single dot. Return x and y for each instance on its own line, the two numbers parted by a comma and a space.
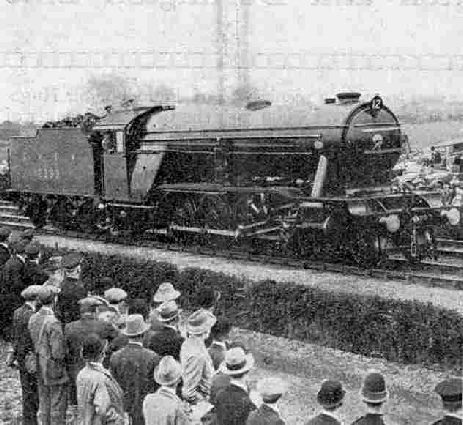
443, 274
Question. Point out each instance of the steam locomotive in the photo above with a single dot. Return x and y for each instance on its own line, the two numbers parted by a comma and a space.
309, 182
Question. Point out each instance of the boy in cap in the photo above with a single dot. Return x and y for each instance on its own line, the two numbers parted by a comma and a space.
133, 367
76, 332
167, 341
48, 339
164, 407
23, 349
194, 357
271, 390
5, 252
116, 298
100, 398
233, 404
72, 288
450, 392
374, 394
330, 397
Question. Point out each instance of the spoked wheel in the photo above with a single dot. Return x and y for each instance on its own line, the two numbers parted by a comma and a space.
366, 251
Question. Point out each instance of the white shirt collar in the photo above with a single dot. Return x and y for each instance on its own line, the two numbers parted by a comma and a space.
169, 389
23, 260
240, 384
30, 304
332, 414
136, 343
48, 309
273, 406
219, 344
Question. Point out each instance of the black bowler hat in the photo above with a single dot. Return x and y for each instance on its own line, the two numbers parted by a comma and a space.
331, 394
451, 391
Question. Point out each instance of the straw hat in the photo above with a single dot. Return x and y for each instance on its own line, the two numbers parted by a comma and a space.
165, 292
168, 371
236, 362
200, 322
135, 325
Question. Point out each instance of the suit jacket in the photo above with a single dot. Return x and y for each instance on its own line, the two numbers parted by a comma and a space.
164, 408
219, 382
448, 420
217, 353
264, 415
166, 342
133, 367
13, 276
75, 333
370, 419
197, 370
34, 274
50, 348
97, 389
233, 406
72, 290
22, 342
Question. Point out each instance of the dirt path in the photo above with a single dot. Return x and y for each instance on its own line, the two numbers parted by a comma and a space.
445, 298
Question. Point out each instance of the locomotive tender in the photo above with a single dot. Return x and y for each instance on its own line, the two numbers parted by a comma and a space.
308, 181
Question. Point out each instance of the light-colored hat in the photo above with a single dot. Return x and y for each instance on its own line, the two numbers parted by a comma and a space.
200, 321
168, 371
115, 295
269, 388
167, 311
166, 292
31, 292
46, 293
236, 362
374, 388
135, 325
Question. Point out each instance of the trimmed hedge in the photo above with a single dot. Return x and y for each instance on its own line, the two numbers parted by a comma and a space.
402, 331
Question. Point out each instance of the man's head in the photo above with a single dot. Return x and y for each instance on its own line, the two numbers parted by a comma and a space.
374, 390
221, 330
31, 293
116, 297
200, 323
46, 295
135, 327
237, 363
72, 264
271, 389
89, 306
450, 392
168, 372
168, 313
32, 252
165, 292
93, 348
331, 395
27, 235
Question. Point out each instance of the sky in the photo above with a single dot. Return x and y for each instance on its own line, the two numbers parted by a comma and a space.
55, 53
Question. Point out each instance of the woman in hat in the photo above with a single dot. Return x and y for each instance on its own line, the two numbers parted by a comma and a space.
99, 397
195, 359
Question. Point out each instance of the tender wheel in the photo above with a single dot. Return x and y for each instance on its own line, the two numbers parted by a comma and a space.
366, 251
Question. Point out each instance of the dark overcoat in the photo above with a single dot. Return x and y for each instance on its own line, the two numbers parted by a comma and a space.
233, 406
264, 415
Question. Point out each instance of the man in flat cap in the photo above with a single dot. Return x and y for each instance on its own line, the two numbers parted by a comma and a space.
330, 397
5, 252
13, 284
167, 341
76, 332
72, 288
133, 367
34, 273
270, 390
374, 394
165, 292
450, 392
24, 356
47, 336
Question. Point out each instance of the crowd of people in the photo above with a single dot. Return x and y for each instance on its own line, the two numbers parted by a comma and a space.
99, 357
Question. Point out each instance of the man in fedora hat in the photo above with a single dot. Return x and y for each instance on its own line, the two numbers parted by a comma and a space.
22, 348
72, 288
167, 341
195, 359
133, 367
75, 334
166, 292
374, 394
330, 397
271, 390
219, 336
233, 404
164, 407
450, 392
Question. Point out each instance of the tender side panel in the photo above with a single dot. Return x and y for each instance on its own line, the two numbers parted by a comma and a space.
56, 161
